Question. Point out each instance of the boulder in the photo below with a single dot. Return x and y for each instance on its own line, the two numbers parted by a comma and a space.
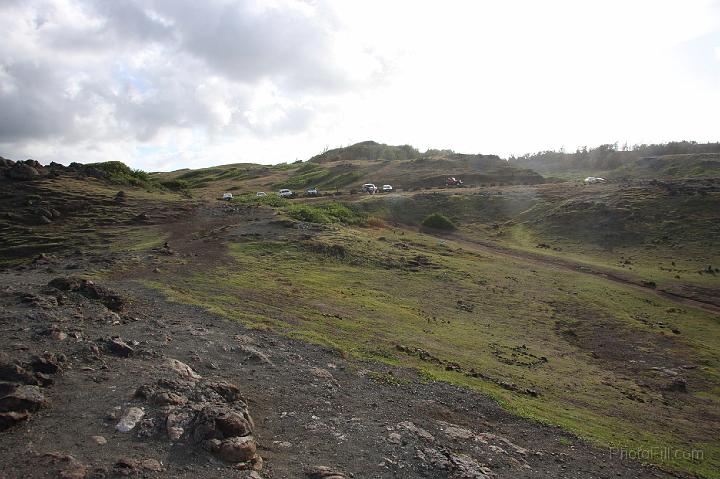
69, 283
217, 422
34, 163
130, 419
21, 398
89, 289
48, 363
323, 472
167, 398
111, 300
228, 391
120, 348
237, 449
182, 369
15, 373
9, 419
231, 424
23, 172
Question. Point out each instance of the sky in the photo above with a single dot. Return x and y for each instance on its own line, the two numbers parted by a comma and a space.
169, 84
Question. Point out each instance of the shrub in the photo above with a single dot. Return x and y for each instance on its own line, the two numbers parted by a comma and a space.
437, 221
117, 172
175, 185
179, 186
332, 212
269, 200
311, 214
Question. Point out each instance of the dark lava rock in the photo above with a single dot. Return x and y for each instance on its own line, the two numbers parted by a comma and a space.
21, 398
322, 472
15, 373
120, 348
66, 284
89, 289
228, 391
23, 172
9, 419
216, 422
167, 398
111, 300
48, 363
237, 449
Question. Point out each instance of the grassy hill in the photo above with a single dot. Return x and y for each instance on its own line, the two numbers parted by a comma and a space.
671, 160
472, 307
665, 232
590, 307
346, 169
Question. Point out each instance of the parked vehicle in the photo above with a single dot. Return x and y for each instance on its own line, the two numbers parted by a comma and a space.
285, 193
452, 181
387, 188
593, 179
312, 192
227, 196
369, 188
260, 193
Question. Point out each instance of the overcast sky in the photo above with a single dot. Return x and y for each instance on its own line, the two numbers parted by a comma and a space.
167, 84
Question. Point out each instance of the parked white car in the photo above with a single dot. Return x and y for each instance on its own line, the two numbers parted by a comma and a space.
260, 193
227, 196
593, 179
285, 193
387, 188
370, 188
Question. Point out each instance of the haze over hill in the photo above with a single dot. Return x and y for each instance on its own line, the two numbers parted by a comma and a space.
674, 159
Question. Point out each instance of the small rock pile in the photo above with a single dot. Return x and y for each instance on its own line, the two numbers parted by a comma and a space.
210, 414
90, 290
20, 170
20, 386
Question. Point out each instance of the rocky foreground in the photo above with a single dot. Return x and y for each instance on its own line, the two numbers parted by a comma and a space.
110, 380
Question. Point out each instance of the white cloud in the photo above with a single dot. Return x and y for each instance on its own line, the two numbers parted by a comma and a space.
170, 83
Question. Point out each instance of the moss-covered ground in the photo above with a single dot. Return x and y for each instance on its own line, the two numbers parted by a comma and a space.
599, 356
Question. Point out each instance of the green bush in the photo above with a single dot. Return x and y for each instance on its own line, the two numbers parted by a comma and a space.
269, 200
175, 185
119, 173
438, 222
332, 212
311, 214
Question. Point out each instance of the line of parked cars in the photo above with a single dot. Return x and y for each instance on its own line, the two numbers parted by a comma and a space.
287, 193
372, 189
